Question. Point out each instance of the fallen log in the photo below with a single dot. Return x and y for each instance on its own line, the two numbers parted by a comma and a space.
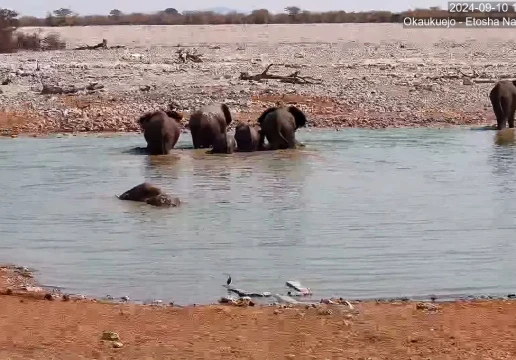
185, 55
58, 90
102, 45
293, 78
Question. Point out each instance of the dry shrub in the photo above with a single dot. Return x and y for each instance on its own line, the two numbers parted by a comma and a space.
34, 42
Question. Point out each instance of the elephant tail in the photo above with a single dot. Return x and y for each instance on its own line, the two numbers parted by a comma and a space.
227, 113
299, 116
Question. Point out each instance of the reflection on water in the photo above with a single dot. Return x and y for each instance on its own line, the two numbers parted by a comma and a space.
356, 213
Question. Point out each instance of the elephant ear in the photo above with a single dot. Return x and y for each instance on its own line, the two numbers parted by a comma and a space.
227, 113
299, 116
145, 118
265, 113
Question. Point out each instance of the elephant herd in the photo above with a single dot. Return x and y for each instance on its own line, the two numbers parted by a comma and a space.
208, 127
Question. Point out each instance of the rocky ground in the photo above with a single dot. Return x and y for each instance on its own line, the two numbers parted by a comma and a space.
38, 325
391, 77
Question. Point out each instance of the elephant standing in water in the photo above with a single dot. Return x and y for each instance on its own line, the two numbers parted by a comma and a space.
208, 123
161, 130
503, 100
279, 125
247, 137
223, 144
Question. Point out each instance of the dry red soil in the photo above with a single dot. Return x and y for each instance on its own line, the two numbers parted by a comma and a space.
35, 328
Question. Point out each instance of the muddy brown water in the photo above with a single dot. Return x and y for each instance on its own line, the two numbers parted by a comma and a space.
357, 213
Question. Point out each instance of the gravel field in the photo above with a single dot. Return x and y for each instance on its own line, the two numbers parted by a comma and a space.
366, 75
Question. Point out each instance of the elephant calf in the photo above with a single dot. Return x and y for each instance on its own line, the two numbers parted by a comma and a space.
208, 123
161, 130
503, 100
223, 144
247, 137
149, 194
279, 124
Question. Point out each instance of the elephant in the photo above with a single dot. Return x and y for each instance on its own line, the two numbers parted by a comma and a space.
247, 137
149, 194
223, 144
503, 100
208, 123
278, 125
161, 130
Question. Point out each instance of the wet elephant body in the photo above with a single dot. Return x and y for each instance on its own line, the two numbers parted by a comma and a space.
208, 123
247, 137
151, 195
503, 101
161, 131
279, 124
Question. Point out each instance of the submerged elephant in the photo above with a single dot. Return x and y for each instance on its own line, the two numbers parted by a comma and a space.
503, 100
247, 137
223, 144
161, 130
149, 194
278, 125
208, 123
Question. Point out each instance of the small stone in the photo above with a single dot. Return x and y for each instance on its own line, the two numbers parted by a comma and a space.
48, 297
66, 297
110, 336
117, 344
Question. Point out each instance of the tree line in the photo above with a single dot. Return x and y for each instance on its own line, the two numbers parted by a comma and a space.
171, 16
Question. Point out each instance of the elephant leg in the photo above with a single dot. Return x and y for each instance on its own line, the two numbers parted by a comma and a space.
504, 114
291, 140
196, 139
510, 117
261, 141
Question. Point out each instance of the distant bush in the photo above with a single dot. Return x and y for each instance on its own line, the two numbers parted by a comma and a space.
12, 40
292, 15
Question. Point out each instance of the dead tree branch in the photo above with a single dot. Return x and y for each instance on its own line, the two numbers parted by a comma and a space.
293, 78
185, 55
102, 45
58, 90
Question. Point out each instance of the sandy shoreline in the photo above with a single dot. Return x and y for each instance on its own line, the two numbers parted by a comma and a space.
391, 77
57, 328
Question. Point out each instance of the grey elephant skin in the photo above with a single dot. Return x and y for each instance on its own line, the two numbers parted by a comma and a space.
503, 100
151, 195
161, 130
247, 137
279, 124
208, 123
223, 144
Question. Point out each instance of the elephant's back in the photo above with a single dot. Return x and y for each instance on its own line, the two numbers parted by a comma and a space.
279, 116
207, 113
243, 133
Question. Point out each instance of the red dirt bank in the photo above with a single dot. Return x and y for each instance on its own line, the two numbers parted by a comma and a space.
323, 112
41, 329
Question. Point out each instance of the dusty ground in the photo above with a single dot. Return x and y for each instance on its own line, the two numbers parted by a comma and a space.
35, 328
373, 75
